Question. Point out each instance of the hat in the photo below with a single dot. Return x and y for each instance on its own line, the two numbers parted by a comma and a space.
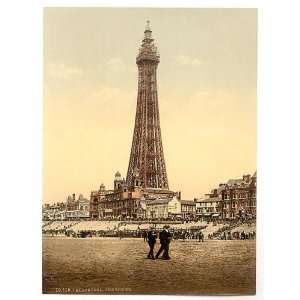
166, 227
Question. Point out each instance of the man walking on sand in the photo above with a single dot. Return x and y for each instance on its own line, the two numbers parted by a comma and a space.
165, 239
151, 238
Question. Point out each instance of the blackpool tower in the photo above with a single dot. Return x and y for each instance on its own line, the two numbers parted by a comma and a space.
147, 161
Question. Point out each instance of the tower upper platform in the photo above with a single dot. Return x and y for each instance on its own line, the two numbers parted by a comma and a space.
148, 51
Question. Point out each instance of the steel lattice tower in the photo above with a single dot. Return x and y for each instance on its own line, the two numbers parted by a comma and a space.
147, 157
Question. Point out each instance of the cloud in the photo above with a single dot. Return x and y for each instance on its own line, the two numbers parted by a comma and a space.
116, 64
62, 71
215, 100
110, 96
107, 93
186, 60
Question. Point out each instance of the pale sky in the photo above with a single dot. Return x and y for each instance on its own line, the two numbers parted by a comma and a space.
206, 94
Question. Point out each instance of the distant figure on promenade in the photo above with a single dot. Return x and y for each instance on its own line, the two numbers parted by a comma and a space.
229, 237
120, 234
165, 239
243, 235
224, 236
201, 236
151, 238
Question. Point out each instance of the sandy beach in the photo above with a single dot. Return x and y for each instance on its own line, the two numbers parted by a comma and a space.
113, 266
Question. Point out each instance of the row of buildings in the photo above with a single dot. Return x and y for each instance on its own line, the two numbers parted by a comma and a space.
234, 199
71, 209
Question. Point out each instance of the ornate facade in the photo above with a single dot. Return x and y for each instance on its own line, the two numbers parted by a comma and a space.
77, 209
231, 200
123, 201
239, 198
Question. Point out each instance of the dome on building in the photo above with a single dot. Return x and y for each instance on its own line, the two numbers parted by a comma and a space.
118, 175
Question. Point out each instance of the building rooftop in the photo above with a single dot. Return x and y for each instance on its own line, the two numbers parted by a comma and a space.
159, 201
188, 202
235, 181
213, 199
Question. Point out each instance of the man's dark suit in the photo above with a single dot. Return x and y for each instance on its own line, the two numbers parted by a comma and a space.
165, 239
151, 237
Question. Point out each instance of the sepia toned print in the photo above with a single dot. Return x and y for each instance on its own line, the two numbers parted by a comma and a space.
181, 226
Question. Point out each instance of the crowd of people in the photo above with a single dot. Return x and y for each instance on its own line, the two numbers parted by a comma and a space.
57, 227
235, 235
235, 230
230, 230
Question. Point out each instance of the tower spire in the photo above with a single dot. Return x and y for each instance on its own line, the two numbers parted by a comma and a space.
147, 26
148, 31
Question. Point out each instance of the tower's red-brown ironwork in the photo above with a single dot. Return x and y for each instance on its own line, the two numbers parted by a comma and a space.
147, 157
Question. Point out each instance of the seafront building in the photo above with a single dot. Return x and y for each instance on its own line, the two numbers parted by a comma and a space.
124, 202
239, 198
188, 209
77, 209
174, 208
234, 199
53, 211
121, 202
71, 209
209, 207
